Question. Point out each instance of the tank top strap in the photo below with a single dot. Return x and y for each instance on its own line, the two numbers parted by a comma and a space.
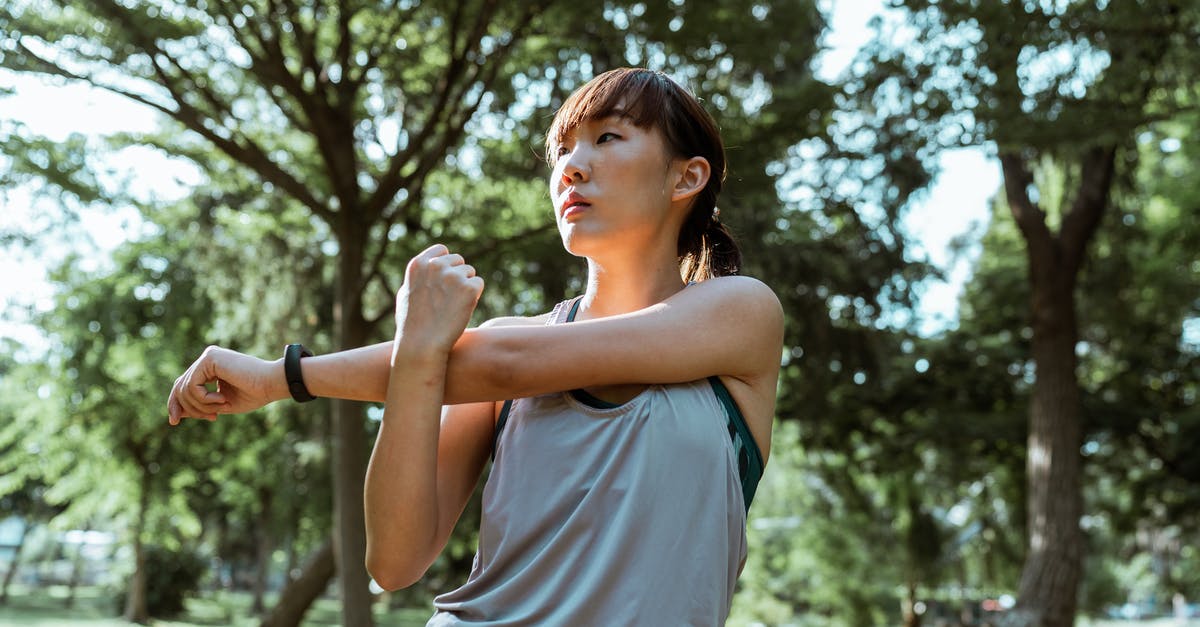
562, 313
565, 311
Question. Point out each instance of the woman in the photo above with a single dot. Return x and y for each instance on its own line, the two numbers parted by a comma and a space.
623, 500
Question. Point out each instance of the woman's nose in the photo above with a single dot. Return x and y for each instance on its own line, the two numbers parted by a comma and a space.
574, 166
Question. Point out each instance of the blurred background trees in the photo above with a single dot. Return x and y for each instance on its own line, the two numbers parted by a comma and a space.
914, 472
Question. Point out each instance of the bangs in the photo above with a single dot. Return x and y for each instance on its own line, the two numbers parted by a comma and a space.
637, 94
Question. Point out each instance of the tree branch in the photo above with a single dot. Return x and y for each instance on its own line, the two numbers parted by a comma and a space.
492, 245
456, 126
1030, 218
389, 219
1081, 222
272, 75
346, 87
451, 88
244, 151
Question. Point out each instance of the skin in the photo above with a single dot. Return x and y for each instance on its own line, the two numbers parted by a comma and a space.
442, 384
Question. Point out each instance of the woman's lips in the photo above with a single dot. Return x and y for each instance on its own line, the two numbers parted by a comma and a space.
574, 209
573, 203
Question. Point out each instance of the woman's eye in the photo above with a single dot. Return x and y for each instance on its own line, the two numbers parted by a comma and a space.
562, 150
605, 137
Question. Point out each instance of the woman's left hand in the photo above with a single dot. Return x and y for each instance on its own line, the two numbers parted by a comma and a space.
244, 383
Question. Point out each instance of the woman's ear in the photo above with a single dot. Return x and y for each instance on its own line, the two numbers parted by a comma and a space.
692, 176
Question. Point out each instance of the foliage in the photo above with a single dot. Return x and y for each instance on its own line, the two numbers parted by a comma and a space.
176, 576
335, 140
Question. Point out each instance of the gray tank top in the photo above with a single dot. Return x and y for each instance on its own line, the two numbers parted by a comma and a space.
596, 514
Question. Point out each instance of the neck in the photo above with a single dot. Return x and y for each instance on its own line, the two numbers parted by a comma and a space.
621, 286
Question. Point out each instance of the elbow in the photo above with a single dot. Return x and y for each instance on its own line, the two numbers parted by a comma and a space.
392, 574
395, 565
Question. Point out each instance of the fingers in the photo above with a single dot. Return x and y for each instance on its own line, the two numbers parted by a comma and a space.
464, 270
453, 264
476, 285
439, 260
437, 250
190, 397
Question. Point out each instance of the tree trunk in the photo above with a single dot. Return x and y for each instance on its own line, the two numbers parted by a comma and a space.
349, 440
299, 595
291, 559
908, 609
1050, 578
264, 549
136, 608
1049, 588
76, 570
12, 567
346, 554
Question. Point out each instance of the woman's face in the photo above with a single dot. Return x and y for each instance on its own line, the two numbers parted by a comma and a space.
611, 186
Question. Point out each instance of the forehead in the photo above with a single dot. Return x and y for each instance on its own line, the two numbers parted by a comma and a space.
637, 98
616, 116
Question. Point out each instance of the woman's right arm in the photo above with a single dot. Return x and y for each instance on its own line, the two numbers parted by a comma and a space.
422, 470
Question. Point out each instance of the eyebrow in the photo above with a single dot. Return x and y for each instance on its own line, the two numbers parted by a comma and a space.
620, 114
617, 112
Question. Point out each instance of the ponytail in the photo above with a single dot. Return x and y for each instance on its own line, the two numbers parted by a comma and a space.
707, 248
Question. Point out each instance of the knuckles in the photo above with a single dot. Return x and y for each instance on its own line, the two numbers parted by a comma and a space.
440, 270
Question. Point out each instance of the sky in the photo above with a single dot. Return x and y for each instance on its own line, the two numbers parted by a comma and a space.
957, 202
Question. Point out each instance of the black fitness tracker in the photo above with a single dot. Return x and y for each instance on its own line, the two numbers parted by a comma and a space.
291, 371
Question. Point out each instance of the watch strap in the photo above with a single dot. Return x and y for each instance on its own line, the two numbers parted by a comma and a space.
291, 371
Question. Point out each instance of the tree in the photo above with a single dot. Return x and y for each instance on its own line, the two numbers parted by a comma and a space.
1141, 364
23, 487
1068, 84
100, 417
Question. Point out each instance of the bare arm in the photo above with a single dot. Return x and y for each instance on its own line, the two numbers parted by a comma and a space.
422, 469
422, 472
729, 326
720, 327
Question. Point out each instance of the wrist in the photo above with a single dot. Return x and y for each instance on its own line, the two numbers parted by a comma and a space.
277, 387
410, 353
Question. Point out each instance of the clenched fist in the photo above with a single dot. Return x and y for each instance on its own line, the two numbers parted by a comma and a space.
435, 303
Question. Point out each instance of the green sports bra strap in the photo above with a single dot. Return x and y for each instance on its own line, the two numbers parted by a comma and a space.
574, 308
503, 418
745, 448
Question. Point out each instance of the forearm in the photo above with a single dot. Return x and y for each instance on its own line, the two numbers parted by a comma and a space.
362, 374
486, 364
359, 374
400, 495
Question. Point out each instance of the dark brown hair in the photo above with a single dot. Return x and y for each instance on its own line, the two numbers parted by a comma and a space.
652, 100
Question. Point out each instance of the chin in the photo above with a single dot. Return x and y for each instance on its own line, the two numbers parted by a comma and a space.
578, 243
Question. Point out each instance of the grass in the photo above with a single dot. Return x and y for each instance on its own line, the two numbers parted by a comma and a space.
1149, 622
95, 607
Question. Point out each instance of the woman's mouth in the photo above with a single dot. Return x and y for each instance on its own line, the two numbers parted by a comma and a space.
573, 204
574, 209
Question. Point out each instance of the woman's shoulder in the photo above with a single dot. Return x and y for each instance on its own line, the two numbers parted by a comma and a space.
737, 294
740, 284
